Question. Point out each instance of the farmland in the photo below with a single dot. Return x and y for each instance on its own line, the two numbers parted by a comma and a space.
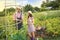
48, 19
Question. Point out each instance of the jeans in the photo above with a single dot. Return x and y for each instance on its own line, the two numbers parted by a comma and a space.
19, 25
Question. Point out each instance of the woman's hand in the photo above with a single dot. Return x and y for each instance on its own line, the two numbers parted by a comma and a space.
32, 20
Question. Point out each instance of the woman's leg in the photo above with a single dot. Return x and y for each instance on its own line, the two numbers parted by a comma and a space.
33, 36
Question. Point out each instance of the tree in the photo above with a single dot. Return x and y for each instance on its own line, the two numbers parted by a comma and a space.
57, 1
43, 4
9, 11
52, 4
37, 9
28, 7
2, 14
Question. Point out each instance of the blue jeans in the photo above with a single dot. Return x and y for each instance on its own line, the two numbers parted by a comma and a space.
19, 25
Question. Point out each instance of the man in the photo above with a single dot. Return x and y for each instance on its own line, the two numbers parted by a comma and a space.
17, 17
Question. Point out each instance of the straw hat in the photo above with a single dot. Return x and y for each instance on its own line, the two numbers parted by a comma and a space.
30, 12
18, 7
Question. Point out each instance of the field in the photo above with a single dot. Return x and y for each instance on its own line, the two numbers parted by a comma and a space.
48, 19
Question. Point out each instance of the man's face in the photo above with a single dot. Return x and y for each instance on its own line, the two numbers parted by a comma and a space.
18, 10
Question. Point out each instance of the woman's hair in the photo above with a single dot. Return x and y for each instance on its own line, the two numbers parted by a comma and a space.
30, 15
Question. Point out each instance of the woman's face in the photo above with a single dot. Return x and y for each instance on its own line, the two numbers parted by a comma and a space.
28, 13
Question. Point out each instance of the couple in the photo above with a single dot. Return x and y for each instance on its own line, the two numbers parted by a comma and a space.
18, 18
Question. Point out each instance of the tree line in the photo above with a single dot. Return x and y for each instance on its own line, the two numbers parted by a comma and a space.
45, 6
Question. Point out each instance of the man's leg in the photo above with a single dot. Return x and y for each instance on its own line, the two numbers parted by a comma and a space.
19, 26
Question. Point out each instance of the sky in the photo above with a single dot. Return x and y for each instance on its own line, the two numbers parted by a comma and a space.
34, 3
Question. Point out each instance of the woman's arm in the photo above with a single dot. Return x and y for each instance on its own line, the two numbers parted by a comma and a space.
32, 20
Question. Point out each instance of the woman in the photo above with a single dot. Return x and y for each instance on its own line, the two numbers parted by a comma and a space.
31, 28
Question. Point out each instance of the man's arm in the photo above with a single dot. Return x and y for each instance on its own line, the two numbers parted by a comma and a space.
14, 17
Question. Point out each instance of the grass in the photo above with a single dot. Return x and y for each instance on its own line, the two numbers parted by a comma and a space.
39, 18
